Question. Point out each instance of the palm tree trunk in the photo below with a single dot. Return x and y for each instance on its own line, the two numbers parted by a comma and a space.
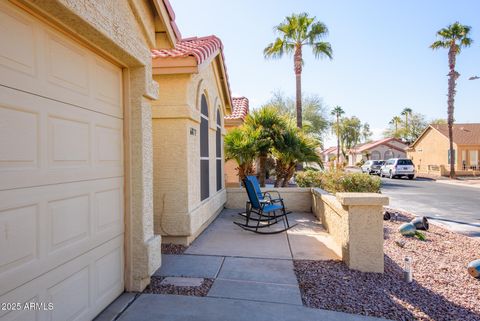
298, 77
453, 75
338, 139
262, 159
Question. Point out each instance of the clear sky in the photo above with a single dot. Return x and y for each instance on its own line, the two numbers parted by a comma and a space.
382, 61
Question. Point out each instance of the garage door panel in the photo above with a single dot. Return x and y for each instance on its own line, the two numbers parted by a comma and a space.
42, 227
73, 288
19, 55
43, 61
48, 142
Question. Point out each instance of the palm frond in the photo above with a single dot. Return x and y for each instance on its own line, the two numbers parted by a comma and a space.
322, 49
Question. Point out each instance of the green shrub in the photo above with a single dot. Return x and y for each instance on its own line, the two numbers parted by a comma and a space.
339, 181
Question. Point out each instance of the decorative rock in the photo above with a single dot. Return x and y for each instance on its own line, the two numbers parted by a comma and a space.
181, 281
407, 229
474, 268
421, 223
386, 216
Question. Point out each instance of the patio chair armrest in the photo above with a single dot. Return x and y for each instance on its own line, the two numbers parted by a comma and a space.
279, 196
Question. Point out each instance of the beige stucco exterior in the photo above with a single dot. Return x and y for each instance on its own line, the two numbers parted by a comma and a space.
231, 173
355, 222
123, 32
430, 155
180, 215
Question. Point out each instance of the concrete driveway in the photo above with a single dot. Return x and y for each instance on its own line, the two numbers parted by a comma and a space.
456, 206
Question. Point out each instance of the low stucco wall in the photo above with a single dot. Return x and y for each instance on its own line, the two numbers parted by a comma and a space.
295, 199
355, 222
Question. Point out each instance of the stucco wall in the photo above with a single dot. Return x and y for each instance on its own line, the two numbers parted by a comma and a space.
295, 199
180, 215
382, 149
123, 31
431, 149
355, 222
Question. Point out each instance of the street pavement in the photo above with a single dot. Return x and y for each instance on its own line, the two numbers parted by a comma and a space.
457, 207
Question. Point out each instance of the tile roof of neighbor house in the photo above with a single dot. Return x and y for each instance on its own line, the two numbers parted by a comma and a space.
370, 145
201, 48
329, 150
240, 108
463, 134
171, 15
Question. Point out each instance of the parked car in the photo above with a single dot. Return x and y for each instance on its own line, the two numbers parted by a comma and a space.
398, 167
372, 166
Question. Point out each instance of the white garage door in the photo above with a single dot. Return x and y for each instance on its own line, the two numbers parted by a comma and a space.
61, 172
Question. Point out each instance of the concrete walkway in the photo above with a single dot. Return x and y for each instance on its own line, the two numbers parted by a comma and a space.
253, 275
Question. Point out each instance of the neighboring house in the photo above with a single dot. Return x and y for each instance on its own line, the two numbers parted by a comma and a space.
188, 130
239, 112
329, 156
380, 149
430, 152
77, 174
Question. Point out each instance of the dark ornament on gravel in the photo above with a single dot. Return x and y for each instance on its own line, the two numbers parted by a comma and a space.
420, 223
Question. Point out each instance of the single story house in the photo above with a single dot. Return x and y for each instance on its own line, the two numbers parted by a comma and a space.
240, 110
380, 149
111, 131
431, 151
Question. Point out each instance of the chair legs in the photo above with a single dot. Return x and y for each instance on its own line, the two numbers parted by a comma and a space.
264, 221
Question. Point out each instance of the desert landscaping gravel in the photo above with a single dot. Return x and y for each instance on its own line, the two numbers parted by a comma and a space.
156, 288
441, 289
169, 248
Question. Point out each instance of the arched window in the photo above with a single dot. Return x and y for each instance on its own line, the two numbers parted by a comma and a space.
218, 153
204, 155
376, 155
388, 154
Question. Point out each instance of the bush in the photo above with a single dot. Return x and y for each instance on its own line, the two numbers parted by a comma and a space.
339, 181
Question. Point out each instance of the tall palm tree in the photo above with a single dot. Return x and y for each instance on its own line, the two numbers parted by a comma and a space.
395, 121
337, 112
454, 38
406, 112
294, 32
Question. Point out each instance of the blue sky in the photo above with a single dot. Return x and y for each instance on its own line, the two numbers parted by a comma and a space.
382, 60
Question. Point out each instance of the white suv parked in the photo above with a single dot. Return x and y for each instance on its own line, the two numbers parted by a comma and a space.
397, 167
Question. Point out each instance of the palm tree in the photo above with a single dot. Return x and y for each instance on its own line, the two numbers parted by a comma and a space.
406, 112
338, 112
293, 147
454, 38
239, 145
266, 124
294, 32
395, 121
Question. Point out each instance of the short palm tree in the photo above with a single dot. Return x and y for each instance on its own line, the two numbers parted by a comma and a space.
239, 145
294, 32
406, 112
454, 38
293, 147
337, 112
266, 124
395, 122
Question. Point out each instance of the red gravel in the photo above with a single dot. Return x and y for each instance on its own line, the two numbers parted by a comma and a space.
156, 288
173, 248
442, 288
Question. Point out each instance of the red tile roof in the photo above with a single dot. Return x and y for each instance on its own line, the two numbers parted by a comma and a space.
463, 134
330, 150
367, 146
240, 108
200, 48
171, 15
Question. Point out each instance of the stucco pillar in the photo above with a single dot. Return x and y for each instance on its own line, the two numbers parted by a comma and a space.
365, 230
142, 246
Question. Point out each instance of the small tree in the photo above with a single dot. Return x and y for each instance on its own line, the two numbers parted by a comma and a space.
239, 145
265, 124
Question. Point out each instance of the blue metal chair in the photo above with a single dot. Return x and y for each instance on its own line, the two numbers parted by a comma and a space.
268, 211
